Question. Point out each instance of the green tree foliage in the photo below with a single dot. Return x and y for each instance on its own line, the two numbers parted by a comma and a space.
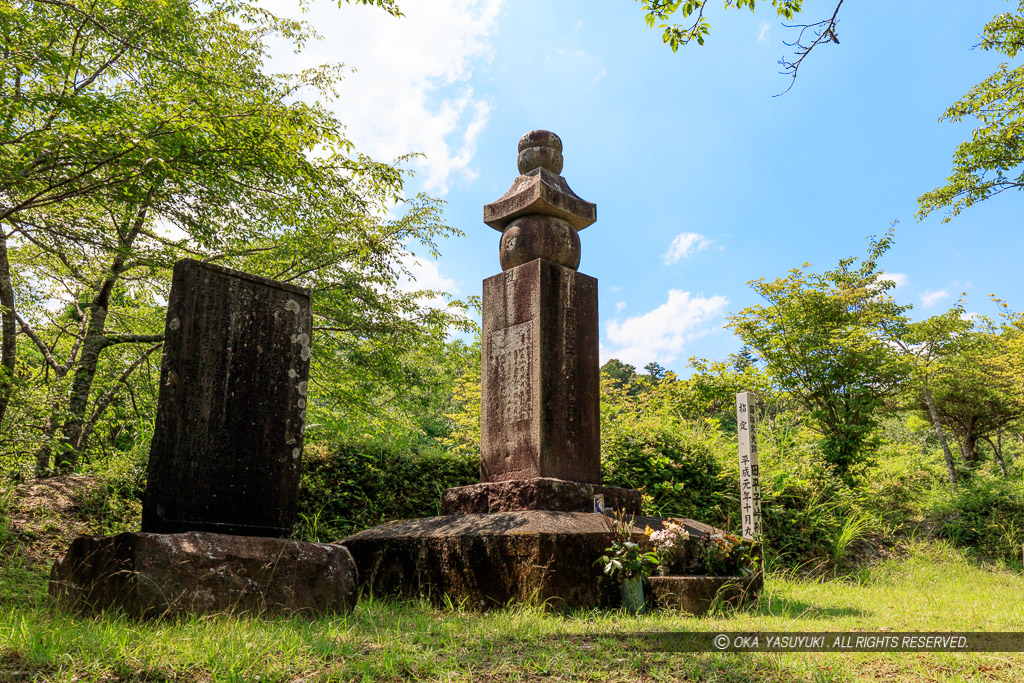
696, 28
138, 133
623, 375
930, 345
973, 397
827, 342
992, 161
354, 486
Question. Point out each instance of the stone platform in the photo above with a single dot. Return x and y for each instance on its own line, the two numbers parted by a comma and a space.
169, 575
696, 594
489, 560
538, 493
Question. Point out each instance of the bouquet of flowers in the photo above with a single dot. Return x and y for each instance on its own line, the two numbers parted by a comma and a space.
727, 554
669, 542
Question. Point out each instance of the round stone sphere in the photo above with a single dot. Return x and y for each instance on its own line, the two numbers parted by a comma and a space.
540, 149
533, 237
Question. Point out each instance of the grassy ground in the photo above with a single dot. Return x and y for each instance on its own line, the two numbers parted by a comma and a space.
932, 588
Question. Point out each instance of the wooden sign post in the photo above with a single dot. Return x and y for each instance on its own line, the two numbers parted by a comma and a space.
750, 471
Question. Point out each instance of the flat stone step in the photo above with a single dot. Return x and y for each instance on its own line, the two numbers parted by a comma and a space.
696, 594
168, 575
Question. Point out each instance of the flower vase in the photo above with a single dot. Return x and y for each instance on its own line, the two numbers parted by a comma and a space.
632, 592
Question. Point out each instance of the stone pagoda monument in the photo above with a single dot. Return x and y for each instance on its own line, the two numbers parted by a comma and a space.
540, 435
533, 526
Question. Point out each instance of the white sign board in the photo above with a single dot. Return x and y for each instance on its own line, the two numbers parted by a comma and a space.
750, 470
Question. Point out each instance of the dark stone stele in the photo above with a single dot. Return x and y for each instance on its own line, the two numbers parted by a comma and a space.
537, 494
170, 575
226, 450
541, 377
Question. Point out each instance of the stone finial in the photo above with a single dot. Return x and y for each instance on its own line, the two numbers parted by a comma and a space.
540, 149
540, 215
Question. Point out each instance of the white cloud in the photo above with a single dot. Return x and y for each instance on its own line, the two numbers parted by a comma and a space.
410, 91
661, 334
619, 306
684, 244
932, 297
425, 274
614, 288
899, 279
762, 37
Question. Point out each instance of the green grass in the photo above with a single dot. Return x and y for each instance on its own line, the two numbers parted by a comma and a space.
934, 588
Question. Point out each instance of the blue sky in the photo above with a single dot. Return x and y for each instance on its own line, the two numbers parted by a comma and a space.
703, 180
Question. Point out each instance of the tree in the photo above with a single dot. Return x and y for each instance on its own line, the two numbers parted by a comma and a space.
128, 123
973, 396
827, 341
809, 36
622, 375
992, 161
930, 345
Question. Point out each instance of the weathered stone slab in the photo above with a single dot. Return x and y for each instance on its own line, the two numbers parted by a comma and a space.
226, 450
696, 594
486, 561
540, 406
537, 494
169, 575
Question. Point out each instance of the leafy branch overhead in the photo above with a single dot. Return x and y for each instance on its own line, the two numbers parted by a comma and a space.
697, 28
992, 161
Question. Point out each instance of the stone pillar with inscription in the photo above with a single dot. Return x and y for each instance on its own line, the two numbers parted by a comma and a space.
540, 415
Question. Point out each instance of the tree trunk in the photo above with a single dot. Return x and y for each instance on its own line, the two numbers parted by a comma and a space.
8, 330
95, 341
937, 424
46, 449
971, 449
997, 450
81, 385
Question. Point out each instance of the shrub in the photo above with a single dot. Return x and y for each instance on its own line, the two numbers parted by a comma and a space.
354, 486
674, 463
987, 516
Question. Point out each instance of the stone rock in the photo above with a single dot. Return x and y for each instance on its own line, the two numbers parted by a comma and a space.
696, 594
226, 449
488, 560
170, 575
541, 377
536, 494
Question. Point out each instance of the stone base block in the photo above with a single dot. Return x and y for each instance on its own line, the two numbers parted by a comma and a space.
696, 594
539, 493
487, 560
168, 575
490, 560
